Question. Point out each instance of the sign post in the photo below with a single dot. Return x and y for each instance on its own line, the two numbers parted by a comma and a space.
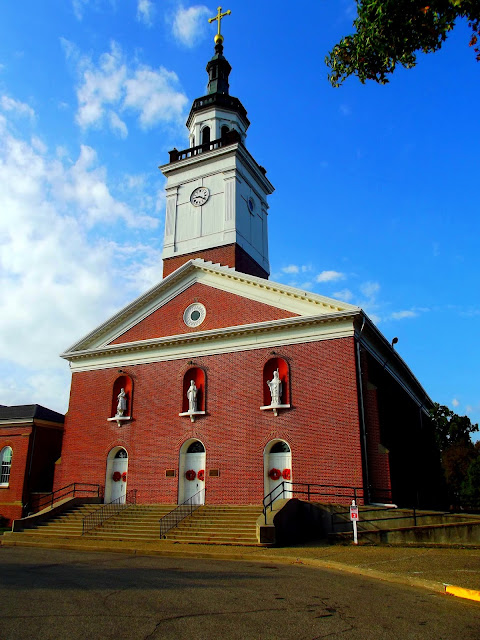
354, 519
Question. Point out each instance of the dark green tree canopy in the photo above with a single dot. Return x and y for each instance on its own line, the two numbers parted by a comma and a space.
450, 428
391, 32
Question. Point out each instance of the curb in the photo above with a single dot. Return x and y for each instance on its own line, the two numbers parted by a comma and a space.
461, 592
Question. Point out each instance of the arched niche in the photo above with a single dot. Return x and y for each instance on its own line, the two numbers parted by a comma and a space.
126, 383
271, 366
197, 376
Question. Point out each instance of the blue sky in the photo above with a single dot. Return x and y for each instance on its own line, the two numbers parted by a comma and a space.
376, 186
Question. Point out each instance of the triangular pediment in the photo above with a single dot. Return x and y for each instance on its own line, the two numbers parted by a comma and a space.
230, 298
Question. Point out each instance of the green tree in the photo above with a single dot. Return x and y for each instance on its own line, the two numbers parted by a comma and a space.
391, 32
470, 489
450, 428
458, 453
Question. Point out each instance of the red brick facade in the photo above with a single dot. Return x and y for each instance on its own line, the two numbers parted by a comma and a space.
230, 255
321, 427
223, 310
33, 460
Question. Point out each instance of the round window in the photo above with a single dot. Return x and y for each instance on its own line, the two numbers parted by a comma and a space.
194, 314
251, 205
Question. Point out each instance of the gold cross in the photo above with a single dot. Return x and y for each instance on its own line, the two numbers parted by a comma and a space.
218, 17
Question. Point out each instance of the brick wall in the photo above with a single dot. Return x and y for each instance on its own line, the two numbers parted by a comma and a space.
230, 255
11, 497
223, 310
322, 427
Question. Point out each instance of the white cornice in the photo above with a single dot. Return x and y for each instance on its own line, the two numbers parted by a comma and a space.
230, 339
208, 156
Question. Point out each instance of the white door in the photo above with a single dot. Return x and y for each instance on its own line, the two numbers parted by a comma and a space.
278, 469
119, 477
194, 463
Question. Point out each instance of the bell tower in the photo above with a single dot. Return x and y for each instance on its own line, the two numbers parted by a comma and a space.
216, 192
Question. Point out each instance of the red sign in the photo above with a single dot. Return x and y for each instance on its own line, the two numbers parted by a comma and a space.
353, 513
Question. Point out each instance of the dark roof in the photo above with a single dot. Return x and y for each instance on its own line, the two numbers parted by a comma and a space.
29, 412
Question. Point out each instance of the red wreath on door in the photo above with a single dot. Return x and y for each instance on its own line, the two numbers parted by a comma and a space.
286, 474
124, 476
190, 475
201, 475
274, 474
116, 476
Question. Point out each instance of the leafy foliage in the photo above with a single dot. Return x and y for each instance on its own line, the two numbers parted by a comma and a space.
391, 32
450, 428
460, 457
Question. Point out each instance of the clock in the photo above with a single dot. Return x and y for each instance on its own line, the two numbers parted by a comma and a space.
199, 196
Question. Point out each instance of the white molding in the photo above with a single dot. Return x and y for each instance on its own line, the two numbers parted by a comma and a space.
213, 342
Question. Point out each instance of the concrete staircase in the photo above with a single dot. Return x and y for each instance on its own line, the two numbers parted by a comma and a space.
140, 524
218, 524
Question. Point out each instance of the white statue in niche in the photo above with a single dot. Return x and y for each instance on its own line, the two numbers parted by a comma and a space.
275, 386
122, 402
192, 397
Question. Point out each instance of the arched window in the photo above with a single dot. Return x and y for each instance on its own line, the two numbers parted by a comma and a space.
196, 447
224, 131
6, 464
280, 447
206, 135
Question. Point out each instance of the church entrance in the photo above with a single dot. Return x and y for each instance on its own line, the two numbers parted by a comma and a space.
192, 472
277, 468
116, 477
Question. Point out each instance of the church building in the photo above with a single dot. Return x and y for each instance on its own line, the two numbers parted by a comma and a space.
218, 384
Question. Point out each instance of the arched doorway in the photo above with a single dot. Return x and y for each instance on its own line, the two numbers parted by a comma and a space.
277, 465
192, 472
116, 476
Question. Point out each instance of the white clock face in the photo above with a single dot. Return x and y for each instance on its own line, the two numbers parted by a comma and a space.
199, 196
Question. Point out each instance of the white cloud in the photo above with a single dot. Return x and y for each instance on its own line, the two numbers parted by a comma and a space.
17, 107
329, 276
400, 315
455, 402
118, 125
145, 12
58, 277
370, 289
190, 25
292, 268
114, 86
78, 7
345, 294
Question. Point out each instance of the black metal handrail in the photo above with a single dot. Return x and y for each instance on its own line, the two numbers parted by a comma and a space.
415, 516
98, 517
309, 489
182, 511
231, 137
75, 489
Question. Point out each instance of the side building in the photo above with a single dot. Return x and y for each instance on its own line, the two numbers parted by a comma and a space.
30, 445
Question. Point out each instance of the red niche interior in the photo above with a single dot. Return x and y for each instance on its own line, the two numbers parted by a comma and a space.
284, 375
122, 382
198, 376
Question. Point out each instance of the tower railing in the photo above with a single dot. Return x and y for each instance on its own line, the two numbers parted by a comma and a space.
231, 137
